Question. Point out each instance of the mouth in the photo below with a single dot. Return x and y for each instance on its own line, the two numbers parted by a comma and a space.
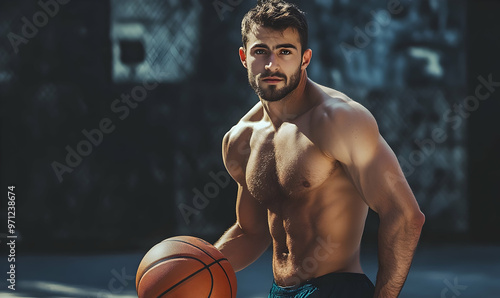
272, 80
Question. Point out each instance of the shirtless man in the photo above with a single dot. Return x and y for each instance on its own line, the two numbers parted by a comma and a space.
309, 162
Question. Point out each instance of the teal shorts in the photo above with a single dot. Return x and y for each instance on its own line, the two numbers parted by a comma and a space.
332, 285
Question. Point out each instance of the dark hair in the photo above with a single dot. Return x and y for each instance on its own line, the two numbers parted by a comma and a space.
277, 15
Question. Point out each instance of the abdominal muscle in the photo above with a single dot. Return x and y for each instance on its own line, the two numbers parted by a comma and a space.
315, 235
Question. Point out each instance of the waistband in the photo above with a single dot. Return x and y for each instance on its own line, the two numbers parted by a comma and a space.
313, 284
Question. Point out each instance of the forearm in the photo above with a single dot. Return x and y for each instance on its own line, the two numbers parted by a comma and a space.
241, 248
397, 240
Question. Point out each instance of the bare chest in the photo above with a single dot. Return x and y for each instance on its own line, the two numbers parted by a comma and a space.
284, 165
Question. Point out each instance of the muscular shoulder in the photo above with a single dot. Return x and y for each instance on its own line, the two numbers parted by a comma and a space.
343, 125
236, 143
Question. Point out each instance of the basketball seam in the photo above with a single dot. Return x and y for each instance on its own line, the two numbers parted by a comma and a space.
177, 257
207, 266
172, 258
224, 270
164, 260
212, 285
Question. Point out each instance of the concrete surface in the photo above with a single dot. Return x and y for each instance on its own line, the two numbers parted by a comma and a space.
437, 271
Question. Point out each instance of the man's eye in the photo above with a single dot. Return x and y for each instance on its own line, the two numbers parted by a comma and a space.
286, 52
260, 52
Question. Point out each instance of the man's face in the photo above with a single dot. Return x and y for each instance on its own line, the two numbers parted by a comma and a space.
274, 62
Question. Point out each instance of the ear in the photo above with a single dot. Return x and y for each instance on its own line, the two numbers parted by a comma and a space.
243, 57
306, 59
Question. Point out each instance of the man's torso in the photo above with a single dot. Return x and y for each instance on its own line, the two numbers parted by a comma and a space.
315, 214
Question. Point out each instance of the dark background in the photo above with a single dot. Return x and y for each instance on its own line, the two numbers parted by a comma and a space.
128, 193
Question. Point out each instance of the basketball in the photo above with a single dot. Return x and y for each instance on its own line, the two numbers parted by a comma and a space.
185, 266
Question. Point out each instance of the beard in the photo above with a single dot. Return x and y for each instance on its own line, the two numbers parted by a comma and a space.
272, 92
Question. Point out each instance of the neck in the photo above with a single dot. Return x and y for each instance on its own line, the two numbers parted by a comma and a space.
289, 107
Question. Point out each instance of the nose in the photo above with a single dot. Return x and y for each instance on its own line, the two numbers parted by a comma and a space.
272, 64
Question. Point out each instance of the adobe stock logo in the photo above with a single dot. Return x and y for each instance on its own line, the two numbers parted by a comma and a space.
94, 137
201, 199
454, 288
364, 36
456, 117
221, 7
40, 19
117, 284
325, 248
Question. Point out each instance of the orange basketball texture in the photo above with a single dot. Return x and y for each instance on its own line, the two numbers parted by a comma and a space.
185, 266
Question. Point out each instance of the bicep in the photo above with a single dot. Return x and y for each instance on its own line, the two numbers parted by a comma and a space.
378, 176
251, 215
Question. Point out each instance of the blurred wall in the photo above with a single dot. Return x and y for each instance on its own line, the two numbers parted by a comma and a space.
483, 135
148, 129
